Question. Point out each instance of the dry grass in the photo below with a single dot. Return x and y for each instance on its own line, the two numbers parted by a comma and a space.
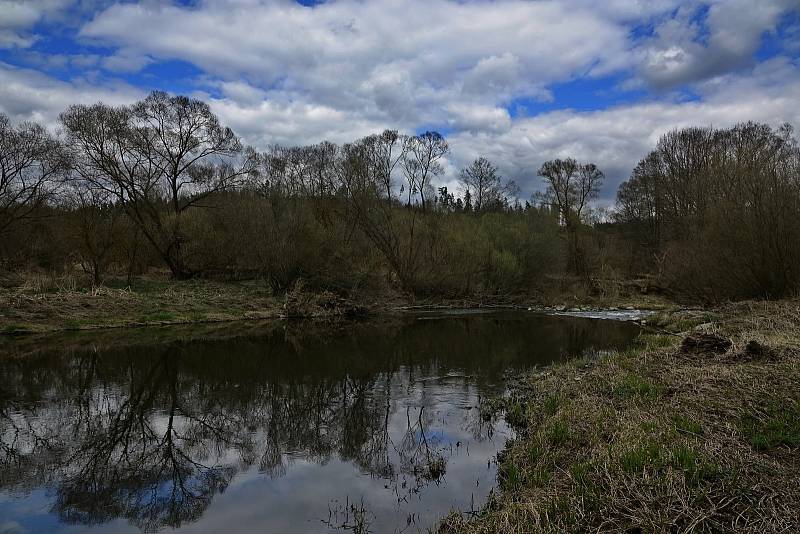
654, 440
41, 304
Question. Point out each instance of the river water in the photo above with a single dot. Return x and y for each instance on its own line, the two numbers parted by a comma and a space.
369, 426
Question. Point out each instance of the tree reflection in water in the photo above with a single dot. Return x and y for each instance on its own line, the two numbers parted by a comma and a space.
152, 433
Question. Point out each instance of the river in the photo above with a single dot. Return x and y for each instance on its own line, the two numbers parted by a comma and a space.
368, 426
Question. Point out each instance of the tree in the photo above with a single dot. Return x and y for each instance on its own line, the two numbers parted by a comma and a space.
365, 169
485, 186
96, 227
570, 187
639, 202
446, 200
719, 209
421, 162
32, 163
160, 157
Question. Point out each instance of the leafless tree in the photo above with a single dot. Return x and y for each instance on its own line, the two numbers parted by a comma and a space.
96, 225
366, 170
484, 186
163, 152
720, 208
422, 163
32, 163
570, 187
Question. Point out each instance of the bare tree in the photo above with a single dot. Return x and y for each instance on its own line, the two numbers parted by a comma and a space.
366, 170
570, 187
421, 163
484, 186
96, 222
32, 162
159, 157
720, 208
639, 202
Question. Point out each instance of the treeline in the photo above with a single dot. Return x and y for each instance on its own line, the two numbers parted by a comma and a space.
161, 184
717, 212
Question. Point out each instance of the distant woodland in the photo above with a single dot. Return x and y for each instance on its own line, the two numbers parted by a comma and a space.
161, 186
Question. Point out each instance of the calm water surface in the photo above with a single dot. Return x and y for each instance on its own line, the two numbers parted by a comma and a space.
288, 427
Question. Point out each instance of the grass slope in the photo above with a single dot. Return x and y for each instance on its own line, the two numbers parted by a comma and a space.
654, 439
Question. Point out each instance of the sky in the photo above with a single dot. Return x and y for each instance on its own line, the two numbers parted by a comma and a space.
518, 82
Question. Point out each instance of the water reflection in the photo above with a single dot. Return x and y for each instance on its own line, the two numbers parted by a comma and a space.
300, 428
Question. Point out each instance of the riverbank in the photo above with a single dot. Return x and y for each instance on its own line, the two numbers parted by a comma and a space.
57, 306
53, 307
52, 304
663, 437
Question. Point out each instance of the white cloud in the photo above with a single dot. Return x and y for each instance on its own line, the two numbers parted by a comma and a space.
18, 16
30, 95
688, 48
264, 123
478, 118
126, 60
278, 72
615, 139
398, 60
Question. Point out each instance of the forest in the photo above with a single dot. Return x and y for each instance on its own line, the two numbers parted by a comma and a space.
161, 186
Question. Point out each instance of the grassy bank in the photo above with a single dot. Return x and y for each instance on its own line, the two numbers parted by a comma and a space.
62, 304
658, 438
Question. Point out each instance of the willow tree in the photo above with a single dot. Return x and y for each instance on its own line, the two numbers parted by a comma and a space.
366, 169
160, 158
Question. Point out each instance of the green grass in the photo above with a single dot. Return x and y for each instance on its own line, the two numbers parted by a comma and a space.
73, 324
634, 385
686, 425
579, 471
550, 405
535, 453
562, 508
558, 433
779, 427
515, 415
75, 306
696, 468
681, 321
655, 456
658, 341
645, 456
509, 476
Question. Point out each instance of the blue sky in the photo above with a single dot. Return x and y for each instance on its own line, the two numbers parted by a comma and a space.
516, 81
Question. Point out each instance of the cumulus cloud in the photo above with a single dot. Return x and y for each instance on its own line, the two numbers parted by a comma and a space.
701, 41
399, 60
616, 138
28, 95
265, 122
